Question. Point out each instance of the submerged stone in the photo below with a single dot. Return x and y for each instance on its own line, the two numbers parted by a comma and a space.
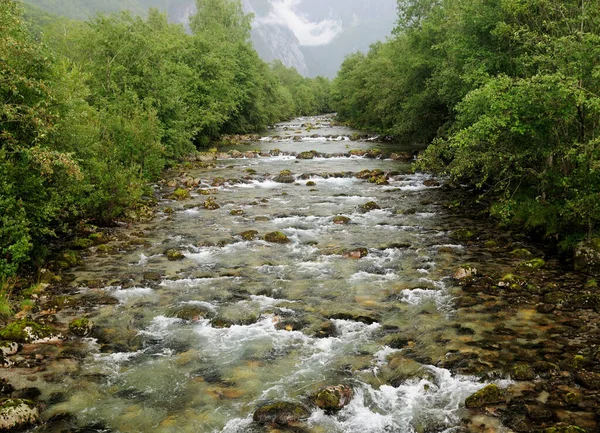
17, 414
533, 264
489, 395
588, 379
307, 155
191, 312
333, 398
277, 238
281, 413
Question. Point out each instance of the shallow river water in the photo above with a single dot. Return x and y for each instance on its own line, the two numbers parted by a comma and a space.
196, 345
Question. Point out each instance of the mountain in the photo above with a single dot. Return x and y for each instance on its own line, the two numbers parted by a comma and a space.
313, 36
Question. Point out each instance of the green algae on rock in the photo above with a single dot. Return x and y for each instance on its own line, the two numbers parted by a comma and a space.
341, 220
180, 194
369, 206
249, 235
81, 327
27, 331
210, 204
522, 372
587, 257
491, 394
174, 255
277, 238
333, 398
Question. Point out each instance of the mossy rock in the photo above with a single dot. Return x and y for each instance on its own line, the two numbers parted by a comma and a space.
379, 180
489, 395
174, 255
521, 253
219, 181
251, 171
68, 259
533, 264
27, 331
82, 244
307, 155
81, 327
462, 235
190, 312
586, 300
16, 414
169, 210
367, 207
210, 204
282, 413
327, 330
249, 235
341, 220
180, 194
522, 372
277, 238
311, 183
333, 398
98, 238
544, 366
236, 212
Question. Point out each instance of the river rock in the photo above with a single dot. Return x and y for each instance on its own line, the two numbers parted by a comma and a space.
367, 207
8, 348
464, 272
522, 372
81, 327
191, 312
357, 253
277, 238
306, 155
210, 204
282, 413
174, 255
587, 257
249, 235
588, 379
327, 330
489, 395
333, 398
28, 331
17, 413
341, 220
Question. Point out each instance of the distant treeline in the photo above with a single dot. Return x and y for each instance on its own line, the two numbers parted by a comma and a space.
508, 94
92, 111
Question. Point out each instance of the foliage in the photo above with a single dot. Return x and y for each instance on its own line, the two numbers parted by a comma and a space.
507, 93
92, 111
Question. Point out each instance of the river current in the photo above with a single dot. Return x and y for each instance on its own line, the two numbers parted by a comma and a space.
197, 344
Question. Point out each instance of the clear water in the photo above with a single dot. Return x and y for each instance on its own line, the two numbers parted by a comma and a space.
154, 373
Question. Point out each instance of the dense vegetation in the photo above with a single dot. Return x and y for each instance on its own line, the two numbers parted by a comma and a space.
92, 111
507, 92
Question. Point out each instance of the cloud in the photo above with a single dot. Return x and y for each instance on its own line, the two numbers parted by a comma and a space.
308, 33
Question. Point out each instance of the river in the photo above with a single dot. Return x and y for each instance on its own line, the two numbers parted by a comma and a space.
368, 301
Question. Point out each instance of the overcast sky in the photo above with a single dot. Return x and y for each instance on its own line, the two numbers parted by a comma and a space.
309, 33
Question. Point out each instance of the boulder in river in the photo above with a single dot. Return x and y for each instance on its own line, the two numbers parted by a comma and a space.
333, 398
282, 413
367, 207
277, 238
16, 414
28, 331
249, 235
489, 395
174, 255
210, 204
340, 219
465, 271
307, 155
191, 312
587, 257
81, 327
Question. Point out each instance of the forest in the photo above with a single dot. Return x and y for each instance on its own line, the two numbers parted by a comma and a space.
92, 111
507, 92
